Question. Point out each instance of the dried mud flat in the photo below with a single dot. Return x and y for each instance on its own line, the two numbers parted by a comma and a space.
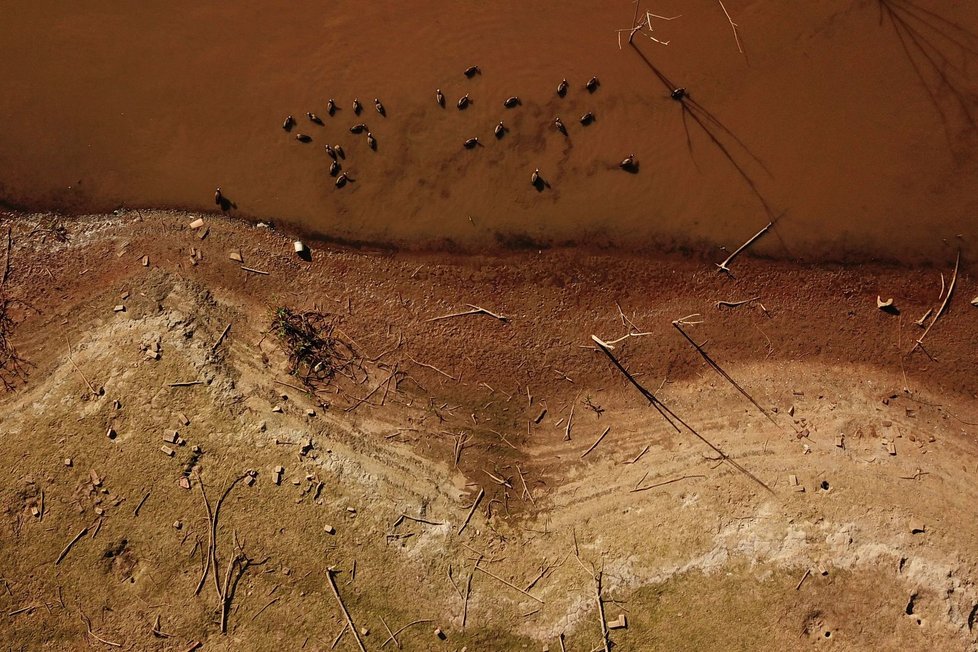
441, 481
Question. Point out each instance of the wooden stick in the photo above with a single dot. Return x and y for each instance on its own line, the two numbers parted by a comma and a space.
349, 620
604, 625
526, 490
387, 627
670, 416
598, 441
67, 548
256, 271
415, 519
723, 373
267, 605
140, 505
221, 338
482, 492
372, 392
644, 451
187, 383
724, 266
410, 624
560, 639
665, 482
432, 367
336, 641
803, 578
476, 310
6, 261
570, 420
947, 298
733, 26
735, 304
468, 592
88, 625
509, 584
209, 557
30, 607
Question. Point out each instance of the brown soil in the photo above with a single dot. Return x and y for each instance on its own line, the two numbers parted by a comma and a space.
851, 123
877, 552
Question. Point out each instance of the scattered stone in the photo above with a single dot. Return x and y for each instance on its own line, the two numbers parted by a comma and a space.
153, 355
145, 261
262, 427
35, 511
204, 232
119, 308
791, 411
196, 224
306, 446
277, 474
300, 248
364, 631
96, 481
171, 437
169, 452
195, 448
310, 412
840, 441
182, 418
68, 461
184, 482
125, 295
440, 634
277, 409
111, 433
236, 256
619, 623
99, 511
918, 528
329, 529
177, 525
887, 423
116, 405
891, 448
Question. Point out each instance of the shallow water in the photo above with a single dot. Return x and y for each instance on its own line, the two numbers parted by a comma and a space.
849, 123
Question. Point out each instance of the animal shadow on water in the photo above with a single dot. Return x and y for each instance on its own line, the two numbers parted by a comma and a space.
631, 168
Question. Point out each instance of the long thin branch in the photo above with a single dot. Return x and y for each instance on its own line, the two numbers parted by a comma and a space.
947, 298
724, 266
349, 620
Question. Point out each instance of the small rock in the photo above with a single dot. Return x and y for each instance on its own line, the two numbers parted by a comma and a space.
840, 441
618, 623
119, 308
236, 256
177, 525
96, 481
111, 433
310, 412
171, 437
182, 418
169, 452
918, 528
184, 482
364, 631
68, 461
99, 511
145, 261
791, 411
440, 634
329, 529
887, 423
277, 409
196, 224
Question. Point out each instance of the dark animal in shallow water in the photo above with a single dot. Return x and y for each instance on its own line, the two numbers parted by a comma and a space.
463, 101
302, 138
339, 151
218, 196
559, 125
331, 106
628, 163
358, 128
371, 141
380, 107
331, 152
342, 179
592, 84
314, 118
510, 102
535, 177
439, 97
334, 168
357, 107
470, 143
562, 88
679, 94
289, 122
472, 71
587, 118
500, 130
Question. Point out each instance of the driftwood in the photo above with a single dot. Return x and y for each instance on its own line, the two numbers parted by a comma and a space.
339, 600
475, 310
940, 311
672, 418
725, 265
478, 499
67, 548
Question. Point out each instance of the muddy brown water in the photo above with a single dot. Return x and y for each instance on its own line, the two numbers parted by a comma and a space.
850, 123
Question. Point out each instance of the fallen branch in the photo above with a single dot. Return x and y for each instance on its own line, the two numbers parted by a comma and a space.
665, 482
940, 311
433, 368
373, 391
387, 627
724, 266
67, 548
403, 516
255, 271
221, 338
735, 304
509, 584
188, 383
88, 626
723, 373
604, 624
410, 624
478, 499
595, 444
339, 600
476, 310
670, 416
733, 26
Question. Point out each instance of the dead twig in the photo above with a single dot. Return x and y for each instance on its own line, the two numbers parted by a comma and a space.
604, 624
410, 624
509, 584
221, 338
725, 265
478, 499
733, 26
67, 548
735, 304
339, 600
596, 442
88, 626
940, 311
665, 482
476, 310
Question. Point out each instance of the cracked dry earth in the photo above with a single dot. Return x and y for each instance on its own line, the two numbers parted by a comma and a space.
842, 518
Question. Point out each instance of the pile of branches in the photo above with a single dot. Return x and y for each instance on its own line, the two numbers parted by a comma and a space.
316, 355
